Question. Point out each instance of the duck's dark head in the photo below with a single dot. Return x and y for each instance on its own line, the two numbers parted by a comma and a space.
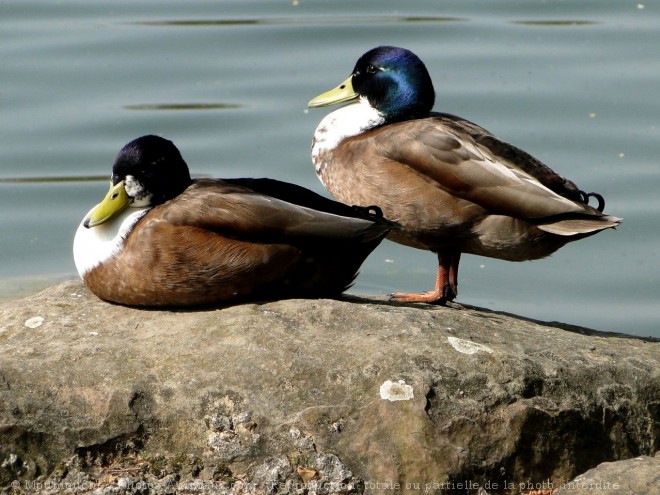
152, 169
148, 171
393, 80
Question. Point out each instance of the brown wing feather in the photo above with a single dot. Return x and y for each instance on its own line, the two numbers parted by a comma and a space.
233, 209
510, 154
463, 168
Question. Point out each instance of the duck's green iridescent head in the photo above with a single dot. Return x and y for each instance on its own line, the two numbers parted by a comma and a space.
394, 81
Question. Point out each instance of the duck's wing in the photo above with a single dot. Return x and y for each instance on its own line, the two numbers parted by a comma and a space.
465, 168
298, 195
233, 208
513, 156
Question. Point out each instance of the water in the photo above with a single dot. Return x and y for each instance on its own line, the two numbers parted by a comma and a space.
573, 82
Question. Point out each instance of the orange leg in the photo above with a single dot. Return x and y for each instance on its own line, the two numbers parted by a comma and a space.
446, 283
453, 274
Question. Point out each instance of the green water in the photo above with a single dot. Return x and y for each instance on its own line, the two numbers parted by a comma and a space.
573, 82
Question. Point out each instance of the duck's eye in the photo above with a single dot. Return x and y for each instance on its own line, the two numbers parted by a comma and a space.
371, 69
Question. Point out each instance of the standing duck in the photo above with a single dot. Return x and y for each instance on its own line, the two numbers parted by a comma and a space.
160, 238
451, 185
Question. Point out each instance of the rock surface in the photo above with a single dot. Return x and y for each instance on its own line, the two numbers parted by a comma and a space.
638, 476
322, 396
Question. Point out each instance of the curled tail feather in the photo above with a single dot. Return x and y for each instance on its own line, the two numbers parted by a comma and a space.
584, 197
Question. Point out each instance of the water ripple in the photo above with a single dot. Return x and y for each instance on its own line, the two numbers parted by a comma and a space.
182, 106
343, 20
39, 180
554, 23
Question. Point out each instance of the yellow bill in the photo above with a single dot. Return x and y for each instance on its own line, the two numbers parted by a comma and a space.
114, 203
343, 92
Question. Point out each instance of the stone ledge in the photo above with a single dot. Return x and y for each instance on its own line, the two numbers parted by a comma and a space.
293, 395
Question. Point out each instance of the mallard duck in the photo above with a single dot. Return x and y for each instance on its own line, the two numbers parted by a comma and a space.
160, 238
451, 185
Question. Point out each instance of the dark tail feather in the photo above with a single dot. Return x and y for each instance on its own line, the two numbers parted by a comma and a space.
375, 214
585, 199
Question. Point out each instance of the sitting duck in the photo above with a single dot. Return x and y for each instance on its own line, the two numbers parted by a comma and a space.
451, 185
162, 239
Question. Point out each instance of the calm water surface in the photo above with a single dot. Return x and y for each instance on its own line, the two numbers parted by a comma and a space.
573, 82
